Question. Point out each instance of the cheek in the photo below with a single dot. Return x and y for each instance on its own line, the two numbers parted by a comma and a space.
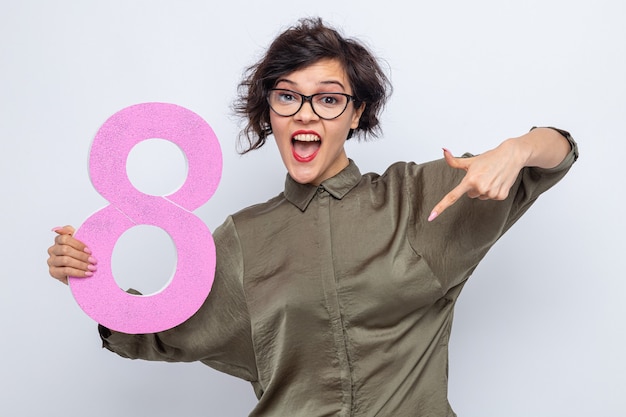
278, 126
281, 134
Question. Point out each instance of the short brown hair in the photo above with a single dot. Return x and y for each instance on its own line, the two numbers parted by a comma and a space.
301, 45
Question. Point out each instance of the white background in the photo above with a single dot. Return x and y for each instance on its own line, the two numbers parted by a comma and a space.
539, 330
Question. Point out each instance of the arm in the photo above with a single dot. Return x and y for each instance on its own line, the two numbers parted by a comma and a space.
491, 174
542, 147
219, 334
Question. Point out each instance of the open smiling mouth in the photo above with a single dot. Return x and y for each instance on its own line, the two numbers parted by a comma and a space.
305, 146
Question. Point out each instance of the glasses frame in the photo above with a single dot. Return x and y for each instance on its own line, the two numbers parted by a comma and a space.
309, 99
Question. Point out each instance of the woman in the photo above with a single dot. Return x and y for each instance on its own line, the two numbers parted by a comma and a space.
335, 298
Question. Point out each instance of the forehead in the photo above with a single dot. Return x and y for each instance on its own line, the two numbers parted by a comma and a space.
320, 73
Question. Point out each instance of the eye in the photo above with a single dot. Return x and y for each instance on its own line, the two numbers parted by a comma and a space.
330, 100
285, 96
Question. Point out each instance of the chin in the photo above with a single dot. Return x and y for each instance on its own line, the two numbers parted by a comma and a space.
302, 177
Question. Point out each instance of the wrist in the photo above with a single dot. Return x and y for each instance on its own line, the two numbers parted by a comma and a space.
542, 147
519, 149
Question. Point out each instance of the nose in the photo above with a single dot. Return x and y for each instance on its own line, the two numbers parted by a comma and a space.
306, 113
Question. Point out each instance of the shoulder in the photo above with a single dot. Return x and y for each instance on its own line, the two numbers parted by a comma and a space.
424, 174
258, 209
250, 220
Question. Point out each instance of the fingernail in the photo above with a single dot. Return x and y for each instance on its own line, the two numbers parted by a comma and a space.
92, 260
87, 250
56, 229
92, 267
432, 216
446, 150
88, 273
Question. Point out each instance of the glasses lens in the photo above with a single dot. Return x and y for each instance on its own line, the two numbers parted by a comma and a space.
284, 102
329, 105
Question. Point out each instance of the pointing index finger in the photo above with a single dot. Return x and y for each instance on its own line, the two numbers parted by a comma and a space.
448, 200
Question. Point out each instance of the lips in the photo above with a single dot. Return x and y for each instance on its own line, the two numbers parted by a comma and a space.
305, 145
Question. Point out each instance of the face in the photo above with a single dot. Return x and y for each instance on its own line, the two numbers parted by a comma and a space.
312, 148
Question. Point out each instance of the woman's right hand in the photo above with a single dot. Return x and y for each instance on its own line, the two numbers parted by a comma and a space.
69, 257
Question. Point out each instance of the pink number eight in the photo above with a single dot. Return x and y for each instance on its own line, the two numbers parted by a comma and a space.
100, 296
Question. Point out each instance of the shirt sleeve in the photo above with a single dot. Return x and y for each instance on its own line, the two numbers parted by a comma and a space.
218, 334
459, 238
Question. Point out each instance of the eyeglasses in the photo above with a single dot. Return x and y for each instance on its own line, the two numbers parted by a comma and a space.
327, 106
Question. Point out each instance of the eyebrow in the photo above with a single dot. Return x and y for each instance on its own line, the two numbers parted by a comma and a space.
328, 82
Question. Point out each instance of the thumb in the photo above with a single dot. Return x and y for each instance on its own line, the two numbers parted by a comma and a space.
453, 162
65, 230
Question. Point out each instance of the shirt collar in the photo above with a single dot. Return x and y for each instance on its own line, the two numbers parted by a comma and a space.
300, 195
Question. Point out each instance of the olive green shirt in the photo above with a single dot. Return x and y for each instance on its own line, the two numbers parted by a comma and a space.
338, 300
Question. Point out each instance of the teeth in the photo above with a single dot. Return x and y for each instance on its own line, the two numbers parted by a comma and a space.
307, 138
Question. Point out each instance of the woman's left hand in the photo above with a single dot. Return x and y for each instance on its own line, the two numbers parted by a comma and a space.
491, 175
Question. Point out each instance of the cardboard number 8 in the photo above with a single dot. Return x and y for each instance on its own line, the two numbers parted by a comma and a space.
100, 296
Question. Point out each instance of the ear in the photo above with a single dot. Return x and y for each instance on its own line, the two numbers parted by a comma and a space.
356, 116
